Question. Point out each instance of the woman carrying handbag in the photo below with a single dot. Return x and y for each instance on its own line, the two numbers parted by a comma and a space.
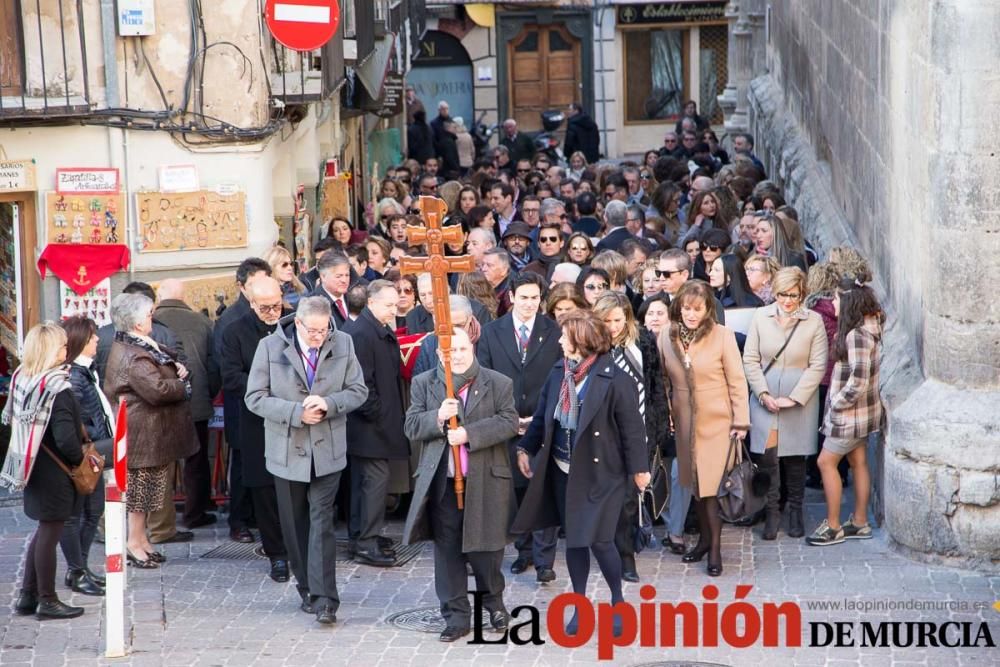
709, 404
45, 432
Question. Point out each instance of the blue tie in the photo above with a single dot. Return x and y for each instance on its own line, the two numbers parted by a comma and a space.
311, 366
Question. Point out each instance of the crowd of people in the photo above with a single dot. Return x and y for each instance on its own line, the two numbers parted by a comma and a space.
589, 342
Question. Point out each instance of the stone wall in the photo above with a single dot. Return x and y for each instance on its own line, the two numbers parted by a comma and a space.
876, 116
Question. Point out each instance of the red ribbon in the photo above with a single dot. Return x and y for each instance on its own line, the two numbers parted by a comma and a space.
83, 265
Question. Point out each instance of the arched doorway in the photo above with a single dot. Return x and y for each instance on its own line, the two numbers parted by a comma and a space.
442, 70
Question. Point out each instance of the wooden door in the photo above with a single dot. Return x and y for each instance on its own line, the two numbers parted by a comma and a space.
11, 63
544, 73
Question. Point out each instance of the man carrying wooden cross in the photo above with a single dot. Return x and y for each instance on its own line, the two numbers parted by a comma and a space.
462, 496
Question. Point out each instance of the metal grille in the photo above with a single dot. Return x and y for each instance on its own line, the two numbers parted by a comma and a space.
716, 39
426, 619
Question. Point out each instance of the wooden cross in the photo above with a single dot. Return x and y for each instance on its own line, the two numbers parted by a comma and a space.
435, 237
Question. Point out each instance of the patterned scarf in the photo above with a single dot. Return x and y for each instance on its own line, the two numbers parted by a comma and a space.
624, 360
154, 350
568, 409
686, 335
28, 410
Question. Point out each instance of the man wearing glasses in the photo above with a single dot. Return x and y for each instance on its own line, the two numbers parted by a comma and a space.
304, 380
673, 270
550, 243
239, 344
671, 146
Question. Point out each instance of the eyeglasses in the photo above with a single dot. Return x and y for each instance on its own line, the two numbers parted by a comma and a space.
670, 141
314, 332
789, 297
530, 211
644, 177
523, 171
273, 308
548, 239
285, 265
713, 248
595, 287
664, 274
564, 216
406, 290
429, 187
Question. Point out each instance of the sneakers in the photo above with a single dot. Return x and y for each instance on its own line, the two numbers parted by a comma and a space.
825, 536
853, 531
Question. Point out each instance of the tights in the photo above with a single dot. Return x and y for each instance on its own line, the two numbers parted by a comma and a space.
40, 563
709, 529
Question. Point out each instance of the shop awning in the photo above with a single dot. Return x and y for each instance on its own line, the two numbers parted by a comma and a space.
373, 70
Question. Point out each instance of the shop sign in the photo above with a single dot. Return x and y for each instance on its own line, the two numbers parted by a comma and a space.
392, 95
17, 175
91, 181
672, 12
179, 178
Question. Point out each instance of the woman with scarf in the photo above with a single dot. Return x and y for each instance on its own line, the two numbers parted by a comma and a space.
710, 406
583, 451
634, 351
78, 533
45, 432
160, 429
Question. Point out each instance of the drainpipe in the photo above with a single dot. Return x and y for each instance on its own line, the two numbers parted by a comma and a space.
109, 38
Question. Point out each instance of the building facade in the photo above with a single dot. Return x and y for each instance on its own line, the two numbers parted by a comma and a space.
216, 140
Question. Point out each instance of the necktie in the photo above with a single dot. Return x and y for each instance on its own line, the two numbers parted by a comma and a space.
311, 361
341, 308
522, 341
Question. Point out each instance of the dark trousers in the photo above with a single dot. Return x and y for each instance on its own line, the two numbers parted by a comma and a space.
306, 511
451, 583
628, 521
40, 563
197, 477
240, 504
265, 508
369, 486
539, 546
79, 530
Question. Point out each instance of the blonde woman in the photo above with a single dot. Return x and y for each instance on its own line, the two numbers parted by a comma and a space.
785, 360
44, 416
283, 270
760, 271
634, 351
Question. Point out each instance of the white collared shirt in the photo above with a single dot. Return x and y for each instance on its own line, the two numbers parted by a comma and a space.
517, 326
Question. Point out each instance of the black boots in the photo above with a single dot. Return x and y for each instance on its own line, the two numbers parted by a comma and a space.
82, 582
795, 479
769, 464
27, 603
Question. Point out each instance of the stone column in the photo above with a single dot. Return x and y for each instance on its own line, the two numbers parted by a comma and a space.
756, 15
742, 70
727, 100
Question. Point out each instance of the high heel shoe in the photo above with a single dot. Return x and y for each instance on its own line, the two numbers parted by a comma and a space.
156, 557
695, 555
714, 568
147, 564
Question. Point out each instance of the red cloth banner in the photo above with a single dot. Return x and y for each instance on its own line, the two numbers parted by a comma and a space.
83, 265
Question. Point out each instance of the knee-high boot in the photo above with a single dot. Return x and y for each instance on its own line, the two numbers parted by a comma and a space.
795, 476
769, 463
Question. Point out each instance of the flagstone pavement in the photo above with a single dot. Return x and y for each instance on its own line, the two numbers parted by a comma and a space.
196, 612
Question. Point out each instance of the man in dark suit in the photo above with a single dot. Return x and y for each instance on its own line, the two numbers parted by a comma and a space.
240, 505
586, 206
239, 344
520, 145
582, 134
311, 277
477, 534
615, 217
497, 269
524, 345
334, 281
375, 429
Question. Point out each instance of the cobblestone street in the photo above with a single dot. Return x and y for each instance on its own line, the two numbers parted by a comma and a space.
199, 612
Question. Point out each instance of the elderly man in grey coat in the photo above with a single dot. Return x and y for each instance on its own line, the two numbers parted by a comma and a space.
477, 534
304, 380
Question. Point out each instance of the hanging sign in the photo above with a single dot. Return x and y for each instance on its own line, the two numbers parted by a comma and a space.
179, 178
91, 181
95, 303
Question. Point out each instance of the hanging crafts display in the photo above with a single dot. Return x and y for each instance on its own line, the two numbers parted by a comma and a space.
95, 303
170, 221
96, 219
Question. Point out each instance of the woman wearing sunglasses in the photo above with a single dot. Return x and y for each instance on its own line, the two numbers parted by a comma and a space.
594, 282
283, 270
712, 244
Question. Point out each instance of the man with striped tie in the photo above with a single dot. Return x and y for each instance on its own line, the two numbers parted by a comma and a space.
524, 346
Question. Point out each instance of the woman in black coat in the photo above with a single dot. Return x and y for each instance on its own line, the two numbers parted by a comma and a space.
635, 352
42, 400
78, 533
584, 450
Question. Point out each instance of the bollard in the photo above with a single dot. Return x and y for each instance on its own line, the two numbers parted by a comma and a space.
114, 549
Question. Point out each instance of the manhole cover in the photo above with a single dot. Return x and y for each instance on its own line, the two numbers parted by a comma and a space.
254, 551
426, 619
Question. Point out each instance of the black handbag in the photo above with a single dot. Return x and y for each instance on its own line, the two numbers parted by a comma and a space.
644, 530
742, 491
659, 486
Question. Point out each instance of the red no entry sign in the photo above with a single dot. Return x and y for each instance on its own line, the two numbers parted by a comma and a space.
302, 25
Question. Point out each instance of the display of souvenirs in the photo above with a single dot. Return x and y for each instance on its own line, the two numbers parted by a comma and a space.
83, 218
95, 303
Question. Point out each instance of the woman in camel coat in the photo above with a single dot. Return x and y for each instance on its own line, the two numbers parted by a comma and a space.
709, 403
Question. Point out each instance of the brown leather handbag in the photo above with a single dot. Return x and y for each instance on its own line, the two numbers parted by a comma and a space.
86, 475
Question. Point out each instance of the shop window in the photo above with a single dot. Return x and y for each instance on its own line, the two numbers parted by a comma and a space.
655, 66
557, 42
529, 43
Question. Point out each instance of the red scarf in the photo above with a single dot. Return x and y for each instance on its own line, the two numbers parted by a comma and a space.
569, 403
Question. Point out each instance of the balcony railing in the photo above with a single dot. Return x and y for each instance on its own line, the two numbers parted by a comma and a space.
43, 59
